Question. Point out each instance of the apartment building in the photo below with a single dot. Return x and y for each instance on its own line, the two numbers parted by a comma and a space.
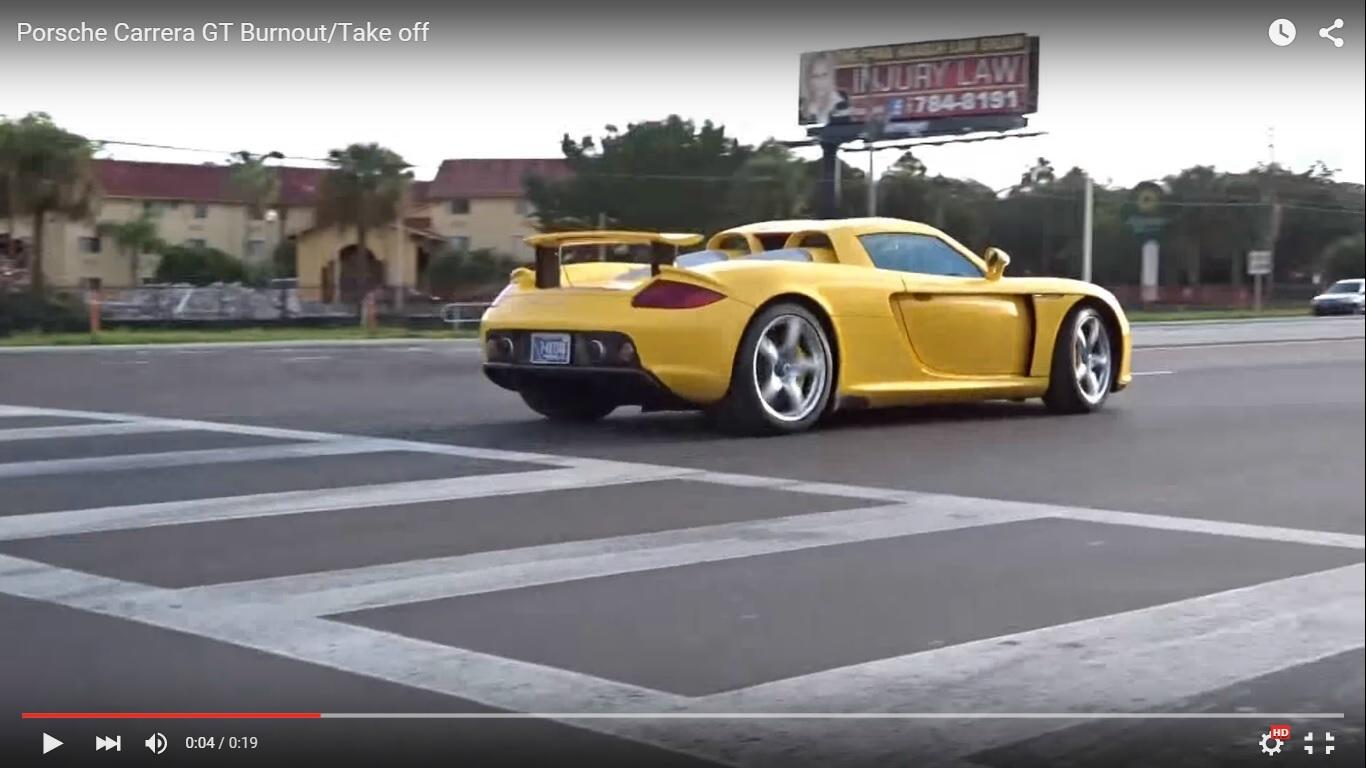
482, 203
470, 203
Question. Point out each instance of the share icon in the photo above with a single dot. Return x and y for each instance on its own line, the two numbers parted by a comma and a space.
1327, 33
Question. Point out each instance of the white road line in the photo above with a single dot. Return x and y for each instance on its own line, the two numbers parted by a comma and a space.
1196, 347
306, 358
1215, 527
188, 458
27, 410
1153, 373
622, 471
28, 526
84, 430
300, 434
1028, 509
1126, 661
418, 580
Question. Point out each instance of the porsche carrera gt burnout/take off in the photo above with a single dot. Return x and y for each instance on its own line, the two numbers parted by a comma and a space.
773, 325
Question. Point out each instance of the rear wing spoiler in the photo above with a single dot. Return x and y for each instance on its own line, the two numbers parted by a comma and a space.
549, 247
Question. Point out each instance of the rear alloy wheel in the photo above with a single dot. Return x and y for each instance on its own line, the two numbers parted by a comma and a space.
1083, 363
783, 374
568, 402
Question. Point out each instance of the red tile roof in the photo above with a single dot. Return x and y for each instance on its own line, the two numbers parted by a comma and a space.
211, 183
196, 183
491, 178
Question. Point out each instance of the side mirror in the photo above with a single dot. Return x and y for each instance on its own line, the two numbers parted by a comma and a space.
997, 260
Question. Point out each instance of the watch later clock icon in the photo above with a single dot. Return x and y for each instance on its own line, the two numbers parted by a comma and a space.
1281, 32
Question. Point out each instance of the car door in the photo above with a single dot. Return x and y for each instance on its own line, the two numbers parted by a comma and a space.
957, 321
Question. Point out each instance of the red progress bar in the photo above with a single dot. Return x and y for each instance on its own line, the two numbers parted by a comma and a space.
170, 715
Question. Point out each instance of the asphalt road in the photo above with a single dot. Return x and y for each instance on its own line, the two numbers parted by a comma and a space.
377, 529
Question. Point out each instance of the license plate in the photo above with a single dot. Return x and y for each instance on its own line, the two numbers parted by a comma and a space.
550, 348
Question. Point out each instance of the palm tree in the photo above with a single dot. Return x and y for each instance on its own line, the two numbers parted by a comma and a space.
364, 189
134, 238
50, 170
9, 190
259, 186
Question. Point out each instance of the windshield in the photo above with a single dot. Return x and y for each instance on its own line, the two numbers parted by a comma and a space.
1345, 286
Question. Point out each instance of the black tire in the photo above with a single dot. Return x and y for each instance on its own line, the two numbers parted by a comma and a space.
1067, 391
571, 401
744, 411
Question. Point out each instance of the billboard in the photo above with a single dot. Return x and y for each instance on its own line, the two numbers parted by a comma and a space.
966, 78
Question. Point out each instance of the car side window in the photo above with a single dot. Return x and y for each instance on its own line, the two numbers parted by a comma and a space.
922, 254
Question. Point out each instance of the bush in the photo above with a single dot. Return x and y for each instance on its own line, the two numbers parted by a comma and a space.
198, 265
453, 271
22, 311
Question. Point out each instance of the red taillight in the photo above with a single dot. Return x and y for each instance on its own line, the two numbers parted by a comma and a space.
668, 294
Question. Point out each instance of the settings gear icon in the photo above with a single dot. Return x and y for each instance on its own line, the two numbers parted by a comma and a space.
1270, 750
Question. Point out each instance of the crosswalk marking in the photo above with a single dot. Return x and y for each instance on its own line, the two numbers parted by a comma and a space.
1119, 662
1133, 660
81, 430
296, 502
1142, 659
417, 580
186, 458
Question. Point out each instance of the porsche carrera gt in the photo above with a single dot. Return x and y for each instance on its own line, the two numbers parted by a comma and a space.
774, 325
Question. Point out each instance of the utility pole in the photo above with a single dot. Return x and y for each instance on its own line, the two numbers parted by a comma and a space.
830, 180
872, 183
1088, 206
1273, 224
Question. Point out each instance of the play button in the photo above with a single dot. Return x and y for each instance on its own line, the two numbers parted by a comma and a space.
50, 743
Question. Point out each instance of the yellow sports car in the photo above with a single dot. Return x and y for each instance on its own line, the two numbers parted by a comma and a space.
776, 324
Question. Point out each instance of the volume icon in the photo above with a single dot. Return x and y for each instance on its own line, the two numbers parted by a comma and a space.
104, 743
156, 742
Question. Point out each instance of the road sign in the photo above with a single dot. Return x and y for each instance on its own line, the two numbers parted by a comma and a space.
1259, 262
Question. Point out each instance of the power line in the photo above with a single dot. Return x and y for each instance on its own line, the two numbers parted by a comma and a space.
147, 145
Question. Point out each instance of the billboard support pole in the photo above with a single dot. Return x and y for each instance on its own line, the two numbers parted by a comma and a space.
830, 180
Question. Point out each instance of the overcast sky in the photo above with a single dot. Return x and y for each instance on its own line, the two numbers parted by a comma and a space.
1132, 91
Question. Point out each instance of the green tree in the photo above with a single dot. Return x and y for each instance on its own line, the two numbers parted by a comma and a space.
666, 174
771, 184
259, 186
50, 171
364, 189
1344, 258
9, 189
132, 239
